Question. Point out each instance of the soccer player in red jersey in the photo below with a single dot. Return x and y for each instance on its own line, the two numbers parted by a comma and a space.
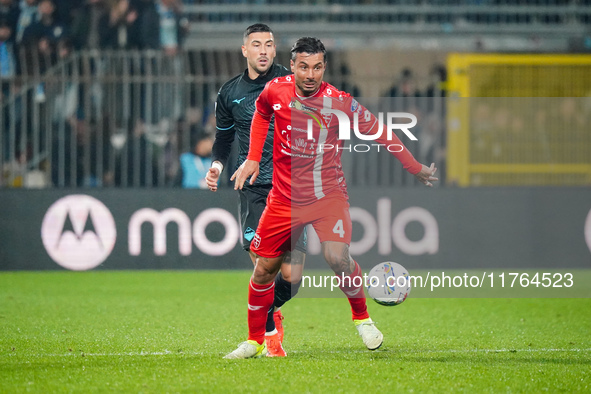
235, 106
308, 184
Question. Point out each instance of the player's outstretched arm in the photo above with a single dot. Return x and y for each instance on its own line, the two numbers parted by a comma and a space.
248, 168
426, 175
371, 126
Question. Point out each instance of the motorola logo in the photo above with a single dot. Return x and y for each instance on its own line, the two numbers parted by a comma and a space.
78, 232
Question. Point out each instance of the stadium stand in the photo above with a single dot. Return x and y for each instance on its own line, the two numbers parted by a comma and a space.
107, 94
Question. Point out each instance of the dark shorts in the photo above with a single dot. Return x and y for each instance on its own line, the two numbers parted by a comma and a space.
253, 201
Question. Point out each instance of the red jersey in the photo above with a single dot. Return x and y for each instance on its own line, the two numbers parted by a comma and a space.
307, 149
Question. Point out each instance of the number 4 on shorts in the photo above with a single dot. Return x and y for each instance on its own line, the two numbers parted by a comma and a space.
339, 228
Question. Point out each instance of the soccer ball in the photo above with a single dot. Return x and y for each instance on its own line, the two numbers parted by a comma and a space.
388, 283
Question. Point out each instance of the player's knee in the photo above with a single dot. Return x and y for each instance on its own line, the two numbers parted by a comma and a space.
265, 270
332, 257
338, 258
286, 272
296, 275
262, 276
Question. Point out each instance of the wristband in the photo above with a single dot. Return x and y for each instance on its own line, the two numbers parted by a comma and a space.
218, 165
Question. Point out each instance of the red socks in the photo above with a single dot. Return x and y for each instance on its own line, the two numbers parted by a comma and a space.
352, 286
260, 300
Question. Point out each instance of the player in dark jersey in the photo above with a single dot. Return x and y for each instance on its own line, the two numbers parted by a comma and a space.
308, 184
235, 106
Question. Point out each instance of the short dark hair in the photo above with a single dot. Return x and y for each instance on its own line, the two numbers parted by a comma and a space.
309, 45
257, 28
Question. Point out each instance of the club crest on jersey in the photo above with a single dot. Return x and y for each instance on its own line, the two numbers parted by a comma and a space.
256, 241
327, 119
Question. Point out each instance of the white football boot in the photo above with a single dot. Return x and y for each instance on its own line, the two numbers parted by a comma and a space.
372, 337
248, 349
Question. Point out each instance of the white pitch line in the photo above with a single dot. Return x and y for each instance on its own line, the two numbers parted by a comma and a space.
502, 350
167, 352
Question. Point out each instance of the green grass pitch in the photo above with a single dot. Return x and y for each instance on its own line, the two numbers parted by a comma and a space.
147, 331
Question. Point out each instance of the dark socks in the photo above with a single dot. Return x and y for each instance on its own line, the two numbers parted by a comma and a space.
284, 291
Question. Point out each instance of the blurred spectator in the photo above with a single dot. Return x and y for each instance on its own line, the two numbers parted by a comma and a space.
28, 15
172, 25
347, 85
67, 100
136, 164
45, 33
437, 81
122, 31
7, 56
7, 71
162, 25
77, 152
149, 24
65, 10
40, 40
405, 86
90, 25
195, 164
9, 12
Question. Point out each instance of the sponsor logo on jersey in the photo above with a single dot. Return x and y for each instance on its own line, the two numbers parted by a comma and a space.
313, 112
300, 143
355, 107
238, 101
248, 234
301, 107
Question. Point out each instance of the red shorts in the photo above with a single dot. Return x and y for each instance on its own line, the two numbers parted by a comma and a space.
282, 224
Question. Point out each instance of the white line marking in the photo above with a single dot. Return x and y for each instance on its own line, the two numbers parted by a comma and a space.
167, 352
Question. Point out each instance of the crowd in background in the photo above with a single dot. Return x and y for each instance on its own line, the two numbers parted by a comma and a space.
36, 35
149, 129
48, 29
394, 2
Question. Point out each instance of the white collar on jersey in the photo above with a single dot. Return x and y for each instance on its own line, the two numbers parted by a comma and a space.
310, 96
